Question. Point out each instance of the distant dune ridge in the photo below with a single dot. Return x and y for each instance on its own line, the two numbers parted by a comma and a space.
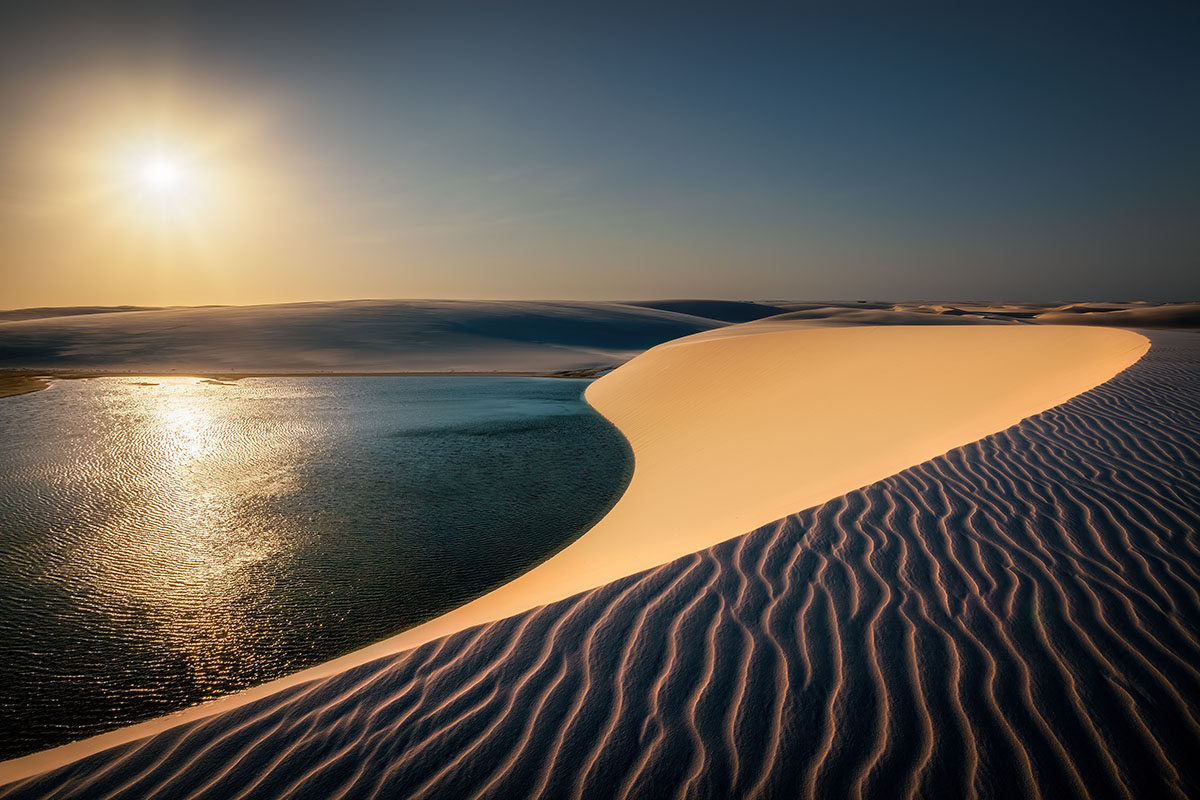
457, 335
1178, 315
721, 310
19, 314
356, 336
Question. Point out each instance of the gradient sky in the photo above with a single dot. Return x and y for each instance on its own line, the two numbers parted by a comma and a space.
601, 151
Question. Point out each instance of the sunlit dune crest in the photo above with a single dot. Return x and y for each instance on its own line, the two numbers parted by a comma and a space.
739, 426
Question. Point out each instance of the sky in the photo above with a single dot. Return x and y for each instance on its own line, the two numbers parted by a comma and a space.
180, 153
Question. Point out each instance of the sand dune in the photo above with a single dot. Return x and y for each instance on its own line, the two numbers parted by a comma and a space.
440, 336
827, 316
1176, 315
862, 312
354, 336
742, 425
18, 314
1017, 617
722, 310
1125, 315
734, 428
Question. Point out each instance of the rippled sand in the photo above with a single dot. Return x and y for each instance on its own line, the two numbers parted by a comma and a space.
1018, 616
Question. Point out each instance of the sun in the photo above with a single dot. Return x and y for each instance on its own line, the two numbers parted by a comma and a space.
166, 187
161, 175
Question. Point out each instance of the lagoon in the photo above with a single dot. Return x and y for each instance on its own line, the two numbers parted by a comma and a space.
165, 541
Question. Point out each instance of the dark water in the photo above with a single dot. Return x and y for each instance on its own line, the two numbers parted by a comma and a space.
164, 544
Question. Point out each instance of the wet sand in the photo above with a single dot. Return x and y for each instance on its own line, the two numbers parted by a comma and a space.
13, 384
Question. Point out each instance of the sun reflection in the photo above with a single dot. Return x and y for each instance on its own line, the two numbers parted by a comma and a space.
186, 429
196, 462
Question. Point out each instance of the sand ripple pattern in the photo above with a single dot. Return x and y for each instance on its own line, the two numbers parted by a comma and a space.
1019, 617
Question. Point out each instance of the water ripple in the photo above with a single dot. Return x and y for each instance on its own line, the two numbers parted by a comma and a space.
165, 544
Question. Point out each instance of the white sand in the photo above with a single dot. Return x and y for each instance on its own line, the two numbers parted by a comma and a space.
734, 428
346, 337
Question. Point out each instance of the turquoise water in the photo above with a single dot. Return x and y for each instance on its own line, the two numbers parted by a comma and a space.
165, 544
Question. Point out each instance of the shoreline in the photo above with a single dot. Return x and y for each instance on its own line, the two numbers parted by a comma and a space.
16, 382
645, 397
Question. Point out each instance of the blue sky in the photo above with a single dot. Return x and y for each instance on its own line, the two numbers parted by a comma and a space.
611, 150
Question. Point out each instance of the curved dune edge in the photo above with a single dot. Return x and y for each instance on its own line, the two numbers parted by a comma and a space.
736, 428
